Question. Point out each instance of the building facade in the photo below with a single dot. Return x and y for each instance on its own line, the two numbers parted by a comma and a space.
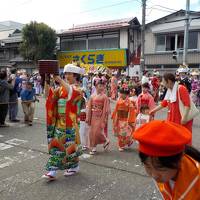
10, 40
164, 42
112, 44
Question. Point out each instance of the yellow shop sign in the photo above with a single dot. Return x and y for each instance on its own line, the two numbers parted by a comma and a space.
107, 58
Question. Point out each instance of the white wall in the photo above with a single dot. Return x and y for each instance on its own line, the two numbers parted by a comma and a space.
123, 38
175, 26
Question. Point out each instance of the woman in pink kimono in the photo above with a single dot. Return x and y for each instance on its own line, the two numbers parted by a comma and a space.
97, 117
113, 87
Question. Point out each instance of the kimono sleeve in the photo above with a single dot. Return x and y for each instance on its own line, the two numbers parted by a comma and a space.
51, 105
114, 114
106, 108
75, 95
151, 102
164, 103
132, 113
138, 104
89, 111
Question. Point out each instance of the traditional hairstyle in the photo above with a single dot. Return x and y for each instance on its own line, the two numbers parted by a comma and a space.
146, 85
98, 81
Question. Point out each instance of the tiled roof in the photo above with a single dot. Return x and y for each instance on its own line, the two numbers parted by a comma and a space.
10, 31
112, 24
13, 39
5, 34
10, 25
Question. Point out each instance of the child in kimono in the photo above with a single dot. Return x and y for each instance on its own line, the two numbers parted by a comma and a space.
83, 125
97, 117
123, 119
143, 117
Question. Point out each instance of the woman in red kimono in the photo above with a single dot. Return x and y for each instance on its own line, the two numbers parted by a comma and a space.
175, 93
62, 127
97, 117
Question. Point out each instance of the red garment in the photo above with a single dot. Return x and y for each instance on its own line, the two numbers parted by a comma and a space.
174, 114
145, 99
155, 83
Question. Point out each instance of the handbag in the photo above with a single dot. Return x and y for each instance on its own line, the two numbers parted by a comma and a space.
193, 112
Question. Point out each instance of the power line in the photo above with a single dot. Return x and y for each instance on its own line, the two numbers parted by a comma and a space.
25, 2
167, 8
152, 8
108, 6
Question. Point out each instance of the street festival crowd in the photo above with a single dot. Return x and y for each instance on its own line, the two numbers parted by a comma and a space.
78, 109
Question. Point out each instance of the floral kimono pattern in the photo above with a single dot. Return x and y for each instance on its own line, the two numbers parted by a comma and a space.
62, 129
124, 114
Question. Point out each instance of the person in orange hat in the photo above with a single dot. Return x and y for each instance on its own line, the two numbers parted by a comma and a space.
168, 159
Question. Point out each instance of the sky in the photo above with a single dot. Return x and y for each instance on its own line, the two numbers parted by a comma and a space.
63, 14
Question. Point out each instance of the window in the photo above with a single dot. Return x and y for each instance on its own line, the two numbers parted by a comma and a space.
193, 40
170, 43
180, 41
2, 54
160, 43
72, 45
165, 42
103, 43
16, 52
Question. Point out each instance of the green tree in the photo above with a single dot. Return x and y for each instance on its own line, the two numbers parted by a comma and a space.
39, 42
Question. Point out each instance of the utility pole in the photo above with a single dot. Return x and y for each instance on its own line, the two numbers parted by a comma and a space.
186, 33
142, 58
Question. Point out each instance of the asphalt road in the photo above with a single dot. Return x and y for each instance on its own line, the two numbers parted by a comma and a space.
105, 176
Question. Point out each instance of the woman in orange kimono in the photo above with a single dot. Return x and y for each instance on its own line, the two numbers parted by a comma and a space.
97, 117
123, 119
168, 160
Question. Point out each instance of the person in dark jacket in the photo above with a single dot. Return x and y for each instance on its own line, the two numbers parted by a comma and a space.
13, 99
5, 88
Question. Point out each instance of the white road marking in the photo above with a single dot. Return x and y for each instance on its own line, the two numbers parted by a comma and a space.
18, 125
16, 141
21, 156
123, 162
1, 136
85, 156
4, 146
